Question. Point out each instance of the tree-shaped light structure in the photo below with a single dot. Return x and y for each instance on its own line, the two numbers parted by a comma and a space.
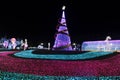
62, 38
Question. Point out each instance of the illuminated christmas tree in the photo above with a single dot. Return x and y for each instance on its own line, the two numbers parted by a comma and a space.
62, 38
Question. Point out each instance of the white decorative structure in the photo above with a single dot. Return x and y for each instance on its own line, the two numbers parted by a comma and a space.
49, 46
25, 44
40, 46
106, 45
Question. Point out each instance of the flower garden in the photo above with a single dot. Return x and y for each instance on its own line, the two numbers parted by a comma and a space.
31, 68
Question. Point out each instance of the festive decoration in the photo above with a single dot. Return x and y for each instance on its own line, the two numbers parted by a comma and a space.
12, 44
62, 38
102, 45
24, 44
5, 44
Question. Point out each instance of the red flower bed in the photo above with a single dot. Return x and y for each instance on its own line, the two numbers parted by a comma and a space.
109, 66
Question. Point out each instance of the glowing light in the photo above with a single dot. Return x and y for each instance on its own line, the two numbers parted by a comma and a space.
63, 8
112, 45
62, 39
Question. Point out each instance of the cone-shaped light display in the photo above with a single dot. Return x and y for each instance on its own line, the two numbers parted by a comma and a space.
62, 38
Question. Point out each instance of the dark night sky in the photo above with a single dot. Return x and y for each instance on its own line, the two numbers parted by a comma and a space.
86, 20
